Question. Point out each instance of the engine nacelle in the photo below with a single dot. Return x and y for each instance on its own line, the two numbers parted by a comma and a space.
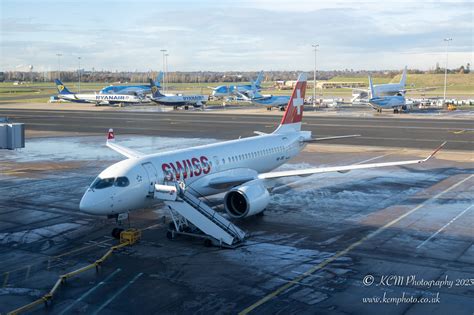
246, 200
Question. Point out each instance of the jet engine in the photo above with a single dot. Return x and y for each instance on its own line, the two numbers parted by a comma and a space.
246, 200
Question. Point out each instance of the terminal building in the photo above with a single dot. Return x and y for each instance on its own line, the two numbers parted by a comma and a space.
323, 84
12, 135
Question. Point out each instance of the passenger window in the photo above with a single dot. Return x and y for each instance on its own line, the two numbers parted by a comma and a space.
122, 182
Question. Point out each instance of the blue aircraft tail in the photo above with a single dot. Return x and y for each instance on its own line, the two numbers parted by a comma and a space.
372, 93
62, 89
155, 92
159, 77
258, 81
404, 77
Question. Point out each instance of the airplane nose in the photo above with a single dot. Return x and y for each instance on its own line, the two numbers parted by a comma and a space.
87, 205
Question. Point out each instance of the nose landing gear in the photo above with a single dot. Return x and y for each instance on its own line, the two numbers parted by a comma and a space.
116, 232
119, 219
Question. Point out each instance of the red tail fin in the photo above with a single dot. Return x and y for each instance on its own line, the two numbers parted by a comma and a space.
110, 135
294, 109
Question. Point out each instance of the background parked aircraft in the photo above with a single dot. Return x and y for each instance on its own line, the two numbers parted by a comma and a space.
382, 89
176, 100
238, 90
395, 102
98, 99
132, 89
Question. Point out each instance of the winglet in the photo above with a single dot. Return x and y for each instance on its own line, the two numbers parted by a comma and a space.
435, 151
129, 153
110, 135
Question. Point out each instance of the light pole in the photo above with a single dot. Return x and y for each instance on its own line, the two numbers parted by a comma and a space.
59, 65
164, 71
166, 67
314, 74
447, 40
79, 70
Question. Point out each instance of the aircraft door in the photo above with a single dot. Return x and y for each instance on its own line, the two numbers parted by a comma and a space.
152, 176
215, 163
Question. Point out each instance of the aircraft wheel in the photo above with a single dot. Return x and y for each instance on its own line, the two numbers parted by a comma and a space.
282, 108
169, 235
171, 226
186, 107
116, 233
269, 108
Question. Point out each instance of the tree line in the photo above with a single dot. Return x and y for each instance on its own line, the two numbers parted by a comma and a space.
202, 76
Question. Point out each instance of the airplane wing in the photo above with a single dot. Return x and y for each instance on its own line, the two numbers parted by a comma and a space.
424, 89
244, 96
329, 138
229, 181
129, 153
343, 169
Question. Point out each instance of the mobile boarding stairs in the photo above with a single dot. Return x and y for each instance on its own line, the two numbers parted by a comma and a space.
193, 217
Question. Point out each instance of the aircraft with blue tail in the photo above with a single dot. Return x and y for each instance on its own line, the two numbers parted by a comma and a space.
98, 99
132, 89
270, 101
241, 90
176, 100
397, 103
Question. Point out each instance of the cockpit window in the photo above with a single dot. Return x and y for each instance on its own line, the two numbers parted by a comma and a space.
122, 182
101, 183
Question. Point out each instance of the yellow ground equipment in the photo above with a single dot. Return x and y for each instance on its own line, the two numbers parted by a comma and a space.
127, 238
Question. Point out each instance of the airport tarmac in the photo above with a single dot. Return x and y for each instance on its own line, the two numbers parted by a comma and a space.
328, 243
376, 130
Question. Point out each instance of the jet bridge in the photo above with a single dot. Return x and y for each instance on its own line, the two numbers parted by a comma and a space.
193, 216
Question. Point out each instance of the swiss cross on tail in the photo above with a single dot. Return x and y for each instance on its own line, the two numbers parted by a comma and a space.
294, 109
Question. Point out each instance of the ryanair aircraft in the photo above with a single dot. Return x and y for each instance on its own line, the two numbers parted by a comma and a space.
98, 99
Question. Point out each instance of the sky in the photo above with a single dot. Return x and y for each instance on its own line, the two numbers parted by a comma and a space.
244, 35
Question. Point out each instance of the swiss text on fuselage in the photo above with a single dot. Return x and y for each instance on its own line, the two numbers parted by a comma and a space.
186, 168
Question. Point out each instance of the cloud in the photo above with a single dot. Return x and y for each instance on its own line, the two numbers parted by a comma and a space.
243, 35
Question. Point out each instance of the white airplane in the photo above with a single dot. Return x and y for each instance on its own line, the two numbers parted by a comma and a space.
241, 168
270, 101
241, 90
397, 103
132, 89
98, 99
383, 89
176, 100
